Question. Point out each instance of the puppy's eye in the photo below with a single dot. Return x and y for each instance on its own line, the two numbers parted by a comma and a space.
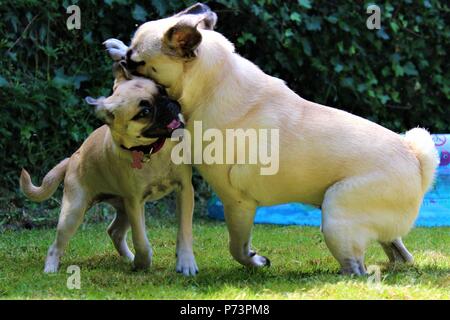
146, 112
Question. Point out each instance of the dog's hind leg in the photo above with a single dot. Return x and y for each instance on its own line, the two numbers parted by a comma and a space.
346, 227
74, 206
118, 230
397, 252
347, 242
143, 250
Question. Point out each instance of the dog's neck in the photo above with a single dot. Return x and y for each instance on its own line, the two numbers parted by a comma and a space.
120, 151
217, 74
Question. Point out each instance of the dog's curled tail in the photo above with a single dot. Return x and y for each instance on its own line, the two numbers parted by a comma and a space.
49, 184
424, 149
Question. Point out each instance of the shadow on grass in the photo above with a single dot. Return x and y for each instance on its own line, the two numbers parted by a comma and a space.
233, 273
312, 271
106, 275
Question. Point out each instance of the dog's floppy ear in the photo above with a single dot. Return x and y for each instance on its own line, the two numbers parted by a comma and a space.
100, 109
121, 73
202, 14
117, 50
181, 40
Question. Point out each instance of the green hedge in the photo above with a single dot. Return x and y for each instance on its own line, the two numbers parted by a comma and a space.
397, 76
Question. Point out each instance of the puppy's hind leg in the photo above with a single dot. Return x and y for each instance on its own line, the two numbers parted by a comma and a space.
73, 208
135, 214
397, 252
118, 230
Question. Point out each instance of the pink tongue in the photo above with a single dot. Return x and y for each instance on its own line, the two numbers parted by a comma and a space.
174, 124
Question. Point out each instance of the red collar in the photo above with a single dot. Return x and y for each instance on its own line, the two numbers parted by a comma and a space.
142, 154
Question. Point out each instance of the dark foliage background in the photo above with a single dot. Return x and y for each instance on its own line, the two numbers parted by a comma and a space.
397, 76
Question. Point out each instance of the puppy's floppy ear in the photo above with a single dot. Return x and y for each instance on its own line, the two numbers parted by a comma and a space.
100, 109
121, 73
181, 40
117, 50
202, 14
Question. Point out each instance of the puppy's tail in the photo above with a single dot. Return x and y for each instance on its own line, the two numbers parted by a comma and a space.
425, 151
49, 185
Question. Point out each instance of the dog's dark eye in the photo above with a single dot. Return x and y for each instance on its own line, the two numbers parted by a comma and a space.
146, 111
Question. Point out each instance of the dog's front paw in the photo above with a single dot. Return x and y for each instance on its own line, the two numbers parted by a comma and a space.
258, 261
116, 49
142, 262
51, 265
186, 264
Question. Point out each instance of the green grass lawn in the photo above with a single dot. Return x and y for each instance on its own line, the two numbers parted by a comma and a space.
302, 267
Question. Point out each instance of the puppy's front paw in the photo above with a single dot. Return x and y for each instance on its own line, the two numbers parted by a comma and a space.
51, 265
142, 262
117, 50
186, 264
128, 256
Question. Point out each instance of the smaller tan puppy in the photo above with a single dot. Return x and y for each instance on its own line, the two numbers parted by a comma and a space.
124, 163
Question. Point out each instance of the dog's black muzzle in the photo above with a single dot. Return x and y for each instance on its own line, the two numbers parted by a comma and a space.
167, 119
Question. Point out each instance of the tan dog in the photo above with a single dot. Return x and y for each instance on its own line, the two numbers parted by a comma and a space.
124, 163
369, 180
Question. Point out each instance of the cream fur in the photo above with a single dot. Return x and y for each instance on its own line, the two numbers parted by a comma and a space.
369, 180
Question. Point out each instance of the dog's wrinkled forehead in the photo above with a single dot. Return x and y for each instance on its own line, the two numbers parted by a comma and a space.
136, 87
148, 37
132, 91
